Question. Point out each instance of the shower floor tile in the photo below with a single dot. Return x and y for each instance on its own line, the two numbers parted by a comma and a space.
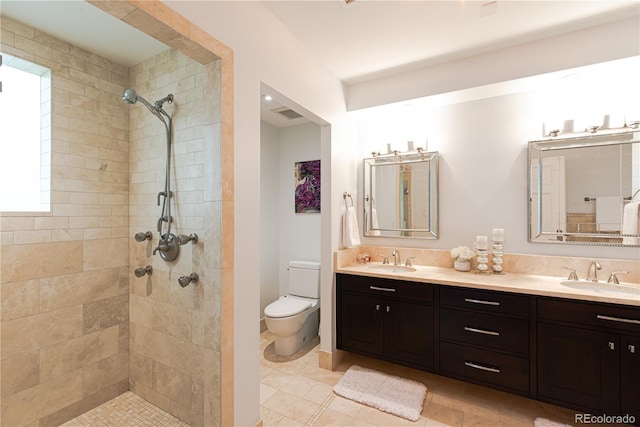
126, 410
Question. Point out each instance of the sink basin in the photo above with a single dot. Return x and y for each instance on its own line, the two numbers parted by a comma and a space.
602, 288
392, 268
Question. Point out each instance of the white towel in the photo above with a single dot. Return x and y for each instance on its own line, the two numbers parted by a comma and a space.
631, 223
350, 231
373, 230
608, 213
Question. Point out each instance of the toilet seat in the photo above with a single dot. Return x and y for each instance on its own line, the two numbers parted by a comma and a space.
287, 306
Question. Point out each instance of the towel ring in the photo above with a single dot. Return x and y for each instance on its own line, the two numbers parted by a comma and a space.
344, 196
373, 201
634, 195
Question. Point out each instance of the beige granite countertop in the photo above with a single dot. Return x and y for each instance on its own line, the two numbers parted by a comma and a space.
508, 282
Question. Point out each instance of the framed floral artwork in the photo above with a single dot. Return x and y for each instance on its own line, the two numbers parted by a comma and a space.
307, 186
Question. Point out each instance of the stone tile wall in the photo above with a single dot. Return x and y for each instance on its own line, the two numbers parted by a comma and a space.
64, 274
175, 331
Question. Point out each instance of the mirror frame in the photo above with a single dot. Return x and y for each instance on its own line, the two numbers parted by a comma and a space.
431, 158
534, 154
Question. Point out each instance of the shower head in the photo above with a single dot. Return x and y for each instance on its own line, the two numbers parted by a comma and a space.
130, 96
185, 280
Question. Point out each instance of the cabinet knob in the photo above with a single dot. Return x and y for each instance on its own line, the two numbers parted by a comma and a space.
388, 309
632, 348
377, 307
612, 346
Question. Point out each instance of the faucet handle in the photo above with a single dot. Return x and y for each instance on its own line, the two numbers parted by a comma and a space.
573, 275
408, 262
613, 279
385, 259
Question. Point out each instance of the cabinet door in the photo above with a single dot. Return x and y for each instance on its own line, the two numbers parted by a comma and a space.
579, 367
630, 377
360, 325
408, 332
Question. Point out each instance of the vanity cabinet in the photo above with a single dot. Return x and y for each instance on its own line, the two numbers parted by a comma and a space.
484, 338
384, 318
588, 356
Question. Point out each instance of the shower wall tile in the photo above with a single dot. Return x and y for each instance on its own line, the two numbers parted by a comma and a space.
67, 356
26, 407
23, 262
81, 288
20, 299
105, 253
105, 372
20, 372
141, 369
174, 384
65, 273
35, 332
105, 313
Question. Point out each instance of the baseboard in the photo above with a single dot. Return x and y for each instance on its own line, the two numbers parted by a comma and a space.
263, 325
330, 360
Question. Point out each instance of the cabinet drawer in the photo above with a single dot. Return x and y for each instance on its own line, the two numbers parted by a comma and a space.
485, 330
591, 314
486, 301
485, 367
385, 287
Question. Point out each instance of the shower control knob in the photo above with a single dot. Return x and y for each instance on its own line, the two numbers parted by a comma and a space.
183, 239
141, 271
142, 236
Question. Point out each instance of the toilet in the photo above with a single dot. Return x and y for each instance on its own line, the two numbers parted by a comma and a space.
294, 318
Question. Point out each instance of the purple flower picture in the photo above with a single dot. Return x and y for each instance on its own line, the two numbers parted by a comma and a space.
307, 182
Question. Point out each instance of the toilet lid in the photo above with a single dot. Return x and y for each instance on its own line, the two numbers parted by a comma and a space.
285, 307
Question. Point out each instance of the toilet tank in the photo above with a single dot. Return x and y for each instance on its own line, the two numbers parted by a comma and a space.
304, 279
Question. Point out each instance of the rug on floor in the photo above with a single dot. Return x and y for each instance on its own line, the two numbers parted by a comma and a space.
388, 393
543, 422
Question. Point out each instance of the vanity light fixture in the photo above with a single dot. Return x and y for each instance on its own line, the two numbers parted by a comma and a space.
595, 129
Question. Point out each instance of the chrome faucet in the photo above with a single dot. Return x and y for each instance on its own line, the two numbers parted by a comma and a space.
592, 271
396, 257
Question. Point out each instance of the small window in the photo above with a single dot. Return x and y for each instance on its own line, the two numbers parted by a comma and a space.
25, 136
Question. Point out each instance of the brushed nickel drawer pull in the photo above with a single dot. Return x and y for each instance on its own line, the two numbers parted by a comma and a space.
375, 288
618, 319
482, 368
481, 331
479, 301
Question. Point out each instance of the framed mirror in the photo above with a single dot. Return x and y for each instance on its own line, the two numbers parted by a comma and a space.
401, 195
585, 190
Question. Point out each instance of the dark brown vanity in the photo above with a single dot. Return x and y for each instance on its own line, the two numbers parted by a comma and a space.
578, 354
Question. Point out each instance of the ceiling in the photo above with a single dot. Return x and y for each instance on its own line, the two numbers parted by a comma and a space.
365, 40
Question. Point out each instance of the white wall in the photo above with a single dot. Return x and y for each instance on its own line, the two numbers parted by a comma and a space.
285, 235
269, 211
483, 179
299, 233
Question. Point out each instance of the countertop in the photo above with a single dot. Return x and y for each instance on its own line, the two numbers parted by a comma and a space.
508, 282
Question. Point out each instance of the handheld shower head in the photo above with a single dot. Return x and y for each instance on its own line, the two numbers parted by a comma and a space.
130, 96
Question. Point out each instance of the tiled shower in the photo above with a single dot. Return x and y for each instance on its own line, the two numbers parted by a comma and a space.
77, 327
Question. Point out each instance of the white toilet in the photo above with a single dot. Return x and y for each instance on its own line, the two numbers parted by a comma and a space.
294, 318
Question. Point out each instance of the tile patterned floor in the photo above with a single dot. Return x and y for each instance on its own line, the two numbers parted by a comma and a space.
126, 410
296, 392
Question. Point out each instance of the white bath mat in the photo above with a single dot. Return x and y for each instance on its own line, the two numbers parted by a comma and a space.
388, 393
543, 422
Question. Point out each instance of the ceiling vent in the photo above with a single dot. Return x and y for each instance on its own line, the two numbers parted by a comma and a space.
287, 113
